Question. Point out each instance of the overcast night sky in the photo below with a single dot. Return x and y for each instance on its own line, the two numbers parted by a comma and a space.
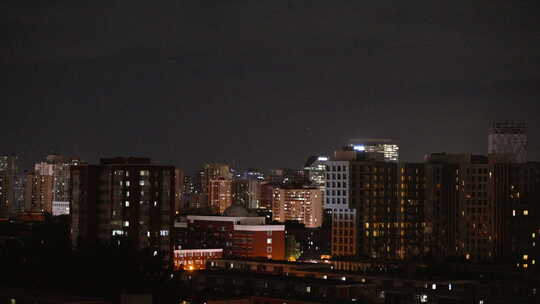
263, 83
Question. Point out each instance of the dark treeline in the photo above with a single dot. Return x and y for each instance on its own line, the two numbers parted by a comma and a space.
39, 256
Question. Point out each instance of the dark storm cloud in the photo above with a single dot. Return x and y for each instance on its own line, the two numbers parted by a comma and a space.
264, 83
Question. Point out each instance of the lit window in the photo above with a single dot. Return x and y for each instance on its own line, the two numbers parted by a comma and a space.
148, 233
268, 241
525, 257
155, 252
467, 256
128, 183
141, 183
513, 212
308, 289
127, 193
127, 203
433, 286
449, 286
423, 298
126, 223
525, 212
164, 232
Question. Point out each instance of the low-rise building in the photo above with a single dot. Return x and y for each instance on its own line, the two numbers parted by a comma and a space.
195, 259
236, 232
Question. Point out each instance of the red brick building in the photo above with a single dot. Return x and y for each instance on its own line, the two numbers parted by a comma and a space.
238, 236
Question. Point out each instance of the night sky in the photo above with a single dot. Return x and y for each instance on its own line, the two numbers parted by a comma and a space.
263, 83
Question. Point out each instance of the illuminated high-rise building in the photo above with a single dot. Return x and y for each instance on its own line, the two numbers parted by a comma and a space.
178, 190
508, 138
480, 209
123, 201
38, 193
315, 171
459, 210
515, 191
376, 205
388, 150
411, 194
247, 192
216, 186
58, 167
219, 196
344, 226
299, 204
9, 171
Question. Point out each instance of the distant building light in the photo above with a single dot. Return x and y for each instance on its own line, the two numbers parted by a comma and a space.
322, 158
359, 147
433, 286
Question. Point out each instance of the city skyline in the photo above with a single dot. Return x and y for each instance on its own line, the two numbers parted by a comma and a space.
270, 152
192, 168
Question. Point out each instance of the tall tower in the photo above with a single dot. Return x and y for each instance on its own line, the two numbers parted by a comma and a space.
216, 182
508, 138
